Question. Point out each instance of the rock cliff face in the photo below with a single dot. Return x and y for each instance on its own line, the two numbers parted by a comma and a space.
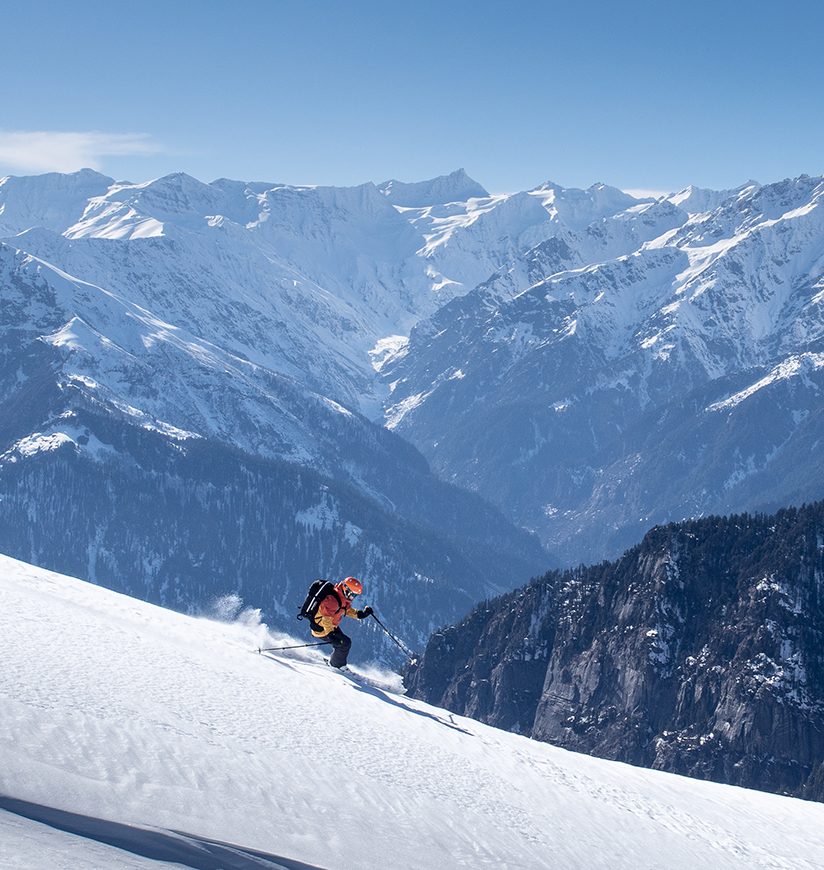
700, 651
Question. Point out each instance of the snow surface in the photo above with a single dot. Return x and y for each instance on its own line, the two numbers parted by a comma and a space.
26, 844
132, 732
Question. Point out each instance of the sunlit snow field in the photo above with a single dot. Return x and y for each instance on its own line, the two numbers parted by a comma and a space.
140, 722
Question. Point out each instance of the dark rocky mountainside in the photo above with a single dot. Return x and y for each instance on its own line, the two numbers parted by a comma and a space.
700, 651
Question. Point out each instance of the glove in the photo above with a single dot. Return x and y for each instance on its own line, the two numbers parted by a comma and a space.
362, 614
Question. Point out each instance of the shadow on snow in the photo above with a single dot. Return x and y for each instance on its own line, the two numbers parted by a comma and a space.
156, 844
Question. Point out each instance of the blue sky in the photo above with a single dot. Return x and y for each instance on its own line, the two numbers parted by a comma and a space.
640, 95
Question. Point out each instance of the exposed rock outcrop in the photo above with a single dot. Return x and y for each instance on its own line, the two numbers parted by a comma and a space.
700, 651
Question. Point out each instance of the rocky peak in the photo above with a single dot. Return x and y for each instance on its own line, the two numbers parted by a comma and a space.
455, 187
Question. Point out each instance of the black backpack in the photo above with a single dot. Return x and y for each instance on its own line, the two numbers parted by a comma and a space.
317, 592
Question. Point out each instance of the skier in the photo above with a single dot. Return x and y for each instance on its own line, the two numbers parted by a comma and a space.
331, 609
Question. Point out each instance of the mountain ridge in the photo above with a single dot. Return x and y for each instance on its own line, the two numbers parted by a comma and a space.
559, 357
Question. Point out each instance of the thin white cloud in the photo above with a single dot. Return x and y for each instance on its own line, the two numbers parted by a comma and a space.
52, 151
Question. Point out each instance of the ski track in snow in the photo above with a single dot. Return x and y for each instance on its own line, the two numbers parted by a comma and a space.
123, 712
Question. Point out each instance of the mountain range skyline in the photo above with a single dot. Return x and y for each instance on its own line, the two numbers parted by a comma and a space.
388, 183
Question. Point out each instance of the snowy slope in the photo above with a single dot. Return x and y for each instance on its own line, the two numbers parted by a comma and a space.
27, 843
455, 187
125, 714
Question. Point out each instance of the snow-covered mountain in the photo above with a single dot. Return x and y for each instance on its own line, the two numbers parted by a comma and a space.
303, 280
184, 419
589, 362
54, 201
133, 736
654, 366
140, 456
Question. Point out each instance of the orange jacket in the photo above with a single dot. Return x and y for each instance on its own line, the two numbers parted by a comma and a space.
331, 611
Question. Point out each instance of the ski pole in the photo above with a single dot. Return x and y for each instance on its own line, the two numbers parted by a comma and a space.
296, 646
402, 646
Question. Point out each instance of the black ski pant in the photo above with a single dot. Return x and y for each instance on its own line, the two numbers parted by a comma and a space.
340, 643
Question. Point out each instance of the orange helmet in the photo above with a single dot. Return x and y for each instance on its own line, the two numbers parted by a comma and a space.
352, 587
